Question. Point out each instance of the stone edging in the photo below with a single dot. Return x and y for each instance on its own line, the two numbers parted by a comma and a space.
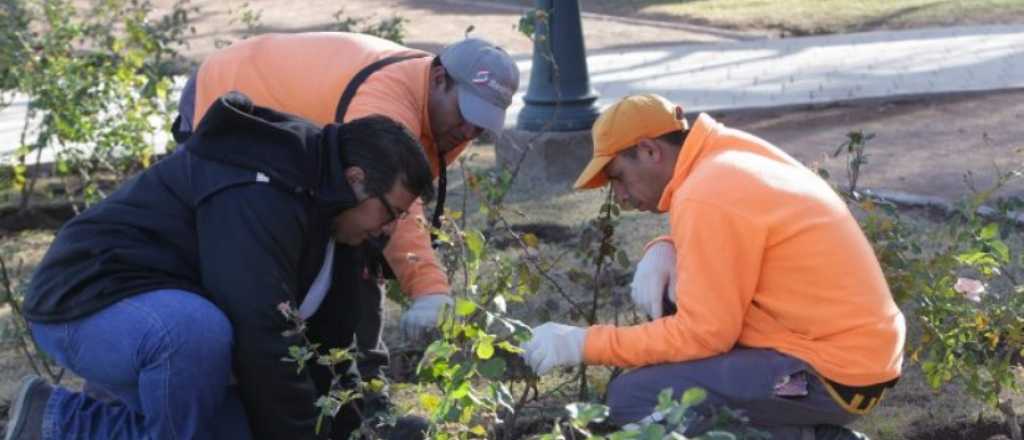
937, 203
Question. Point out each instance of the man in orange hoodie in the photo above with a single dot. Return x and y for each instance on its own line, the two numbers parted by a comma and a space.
782, 308
445, 100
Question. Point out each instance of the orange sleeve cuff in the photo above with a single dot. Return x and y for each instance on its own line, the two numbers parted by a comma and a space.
663, 238
591, 345
412, 258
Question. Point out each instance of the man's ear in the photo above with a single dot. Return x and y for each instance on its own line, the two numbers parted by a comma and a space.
356, 179
649, 150
437, 76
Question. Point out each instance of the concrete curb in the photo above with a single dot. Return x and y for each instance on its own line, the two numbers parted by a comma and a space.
900, 198
853, 102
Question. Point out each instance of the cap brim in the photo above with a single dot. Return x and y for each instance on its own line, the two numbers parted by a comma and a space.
479, 112
593, 175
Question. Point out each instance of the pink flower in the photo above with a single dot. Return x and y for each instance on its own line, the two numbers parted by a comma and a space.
969, 288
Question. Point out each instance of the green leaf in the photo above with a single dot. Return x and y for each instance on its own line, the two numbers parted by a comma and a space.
493, 368
437, 352
485, 349
1001, 251
509, 347
694, 396
675, 416
475, 243
665, 399
464, 307
442, 236
460, 392
990, 231
584, 413
653, 431
502, 395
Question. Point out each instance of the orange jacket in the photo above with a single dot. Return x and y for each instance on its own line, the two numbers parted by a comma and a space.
305, 74
767, 256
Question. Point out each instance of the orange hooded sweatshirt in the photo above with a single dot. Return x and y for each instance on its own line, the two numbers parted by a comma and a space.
767, 256
305, 74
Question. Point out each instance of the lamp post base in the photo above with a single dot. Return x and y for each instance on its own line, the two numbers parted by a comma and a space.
552, 158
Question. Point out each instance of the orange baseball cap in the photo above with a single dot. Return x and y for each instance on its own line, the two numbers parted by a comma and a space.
621, 126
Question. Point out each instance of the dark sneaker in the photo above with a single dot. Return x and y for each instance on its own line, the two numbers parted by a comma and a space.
26, 414
833, 432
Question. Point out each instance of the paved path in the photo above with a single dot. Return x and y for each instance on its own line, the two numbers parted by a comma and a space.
776, 72
813, 70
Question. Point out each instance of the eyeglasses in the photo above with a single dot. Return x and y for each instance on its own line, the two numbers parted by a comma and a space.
394, 213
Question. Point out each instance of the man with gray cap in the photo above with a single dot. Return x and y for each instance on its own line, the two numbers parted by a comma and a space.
446, 101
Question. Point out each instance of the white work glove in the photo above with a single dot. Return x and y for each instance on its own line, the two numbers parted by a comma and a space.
554, 345
422, 315
655, 271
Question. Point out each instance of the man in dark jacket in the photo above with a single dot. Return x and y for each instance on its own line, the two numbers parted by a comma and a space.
168, 291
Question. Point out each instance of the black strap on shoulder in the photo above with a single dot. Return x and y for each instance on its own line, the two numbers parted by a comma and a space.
442, 186
353, 85
339, 116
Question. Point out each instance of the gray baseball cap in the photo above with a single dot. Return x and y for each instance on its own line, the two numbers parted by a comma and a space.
485, 77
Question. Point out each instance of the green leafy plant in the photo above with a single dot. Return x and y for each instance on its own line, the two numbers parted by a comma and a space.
962, 284
96, 92
969, 306
475, 361
599, 252
672, 417
341, 393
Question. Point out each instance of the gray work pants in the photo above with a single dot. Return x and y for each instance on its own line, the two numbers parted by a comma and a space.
764, 384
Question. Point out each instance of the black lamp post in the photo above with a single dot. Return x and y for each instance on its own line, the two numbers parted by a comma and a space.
558, 99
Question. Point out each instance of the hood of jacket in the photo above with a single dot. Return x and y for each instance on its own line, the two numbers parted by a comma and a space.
290, 151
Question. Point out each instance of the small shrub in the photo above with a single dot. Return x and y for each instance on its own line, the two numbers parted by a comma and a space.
962, 283
96, 91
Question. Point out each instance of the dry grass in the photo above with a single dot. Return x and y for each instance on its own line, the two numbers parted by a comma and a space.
803, 17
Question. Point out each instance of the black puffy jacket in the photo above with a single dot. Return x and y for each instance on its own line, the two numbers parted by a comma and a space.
240, 214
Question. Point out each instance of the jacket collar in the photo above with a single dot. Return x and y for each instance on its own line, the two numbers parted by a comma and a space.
695, 147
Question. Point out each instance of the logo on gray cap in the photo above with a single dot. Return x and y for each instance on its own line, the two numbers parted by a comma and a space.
485, 77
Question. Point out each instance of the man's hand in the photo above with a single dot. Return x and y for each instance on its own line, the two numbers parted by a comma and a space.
554, 345
422, 316
655, 272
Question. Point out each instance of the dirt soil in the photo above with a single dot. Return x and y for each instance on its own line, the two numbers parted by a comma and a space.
923, 145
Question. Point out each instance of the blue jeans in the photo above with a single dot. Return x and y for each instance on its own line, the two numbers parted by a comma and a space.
164, 355
744, 379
